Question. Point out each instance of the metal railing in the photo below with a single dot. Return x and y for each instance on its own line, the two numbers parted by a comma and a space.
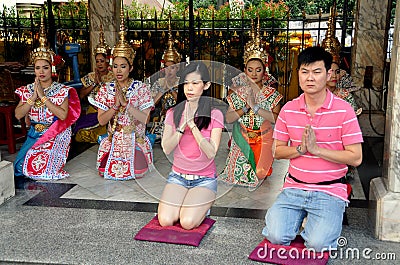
219, 40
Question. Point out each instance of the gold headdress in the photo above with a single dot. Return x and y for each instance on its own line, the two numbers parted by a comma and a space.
123, 48
171, 54
102, 47
254, 48
331, 44
42, 52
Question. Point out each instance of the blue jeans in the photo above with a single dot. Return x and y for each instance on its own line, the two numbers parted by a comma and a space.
209, 183
324, 219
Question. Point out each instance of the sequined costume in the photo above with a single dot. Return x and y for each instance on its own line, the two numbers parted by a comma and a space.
250, 130
45, 152
116, 157
87, 128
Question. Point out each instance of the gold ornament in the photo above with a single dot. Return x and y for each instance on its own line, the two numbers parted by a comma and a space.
102, 47
171, 54
123, 48
331, 44
42, 52
254, 48
121, 108
38, 103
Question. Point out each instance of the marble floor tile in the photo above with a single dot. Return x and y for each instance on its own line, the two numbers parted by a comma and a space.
149, 188
133, 196
79, 192
108, 189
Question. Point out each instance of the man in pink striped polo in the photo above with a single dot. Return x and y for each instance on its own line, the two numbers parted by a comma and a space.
320, 134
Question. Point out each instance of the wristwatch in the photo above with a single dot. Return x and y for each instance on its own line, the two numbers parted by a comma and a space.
245, 109
298, 149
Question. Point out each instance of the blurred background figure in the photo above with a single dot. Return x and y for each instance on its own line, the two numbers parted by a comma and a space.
340, 83
165, 89
87, 128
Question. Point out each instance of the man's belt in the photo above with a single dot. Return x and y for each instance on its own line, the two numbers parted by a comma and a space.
329, 182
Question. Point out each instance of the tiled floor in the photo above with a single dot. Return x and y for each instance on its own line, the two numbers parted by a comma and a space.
90, 186
89, 220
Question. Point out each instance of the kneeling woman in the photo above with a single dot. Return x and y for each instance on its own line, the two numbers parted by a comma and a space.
125, 104
193, 131
51, 108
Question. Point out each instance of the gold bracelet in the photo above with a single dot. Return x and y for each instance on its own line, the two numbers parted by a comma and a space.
43, 99
191, 128
30, 102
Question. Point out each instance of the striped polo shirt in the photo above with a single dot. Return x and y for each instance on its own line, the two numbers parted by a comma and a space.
335, 125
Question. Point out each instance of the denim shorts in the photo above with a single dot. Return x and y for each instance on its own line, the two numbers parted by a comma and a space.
209, 183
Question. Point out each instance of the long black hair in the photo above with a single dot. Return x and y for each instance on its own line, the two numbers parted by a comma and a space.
203, 113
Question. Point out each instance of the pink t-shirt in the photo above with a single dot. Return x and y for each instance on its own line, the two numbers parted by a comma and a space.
335, 125
188, 157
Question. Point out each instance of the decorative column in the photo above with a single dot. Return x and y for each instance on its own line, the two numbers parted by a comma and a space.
369, 49
384, 194
107, 13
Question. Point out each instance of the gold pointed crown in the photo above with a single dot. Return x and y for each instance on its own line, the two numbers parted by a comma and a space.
331, 44
254, 48
171, 54
42, 52
123, 48
102, 47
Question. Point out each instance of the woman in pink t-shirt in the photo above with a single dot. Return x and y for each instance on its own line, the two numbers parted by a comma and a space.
193, 132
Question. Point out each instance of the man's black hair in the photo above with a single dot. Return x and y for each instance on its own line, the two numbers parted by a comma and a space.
315, 54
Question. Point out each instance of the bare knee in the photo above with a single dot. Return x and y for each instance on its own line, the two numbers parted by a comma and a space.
188, 222
166, 220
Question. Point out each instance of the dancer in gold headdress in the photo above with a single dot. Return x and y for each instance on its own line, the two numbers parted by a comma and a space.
340, 83
253, 106
125, 105
165, 89
52, 108
87, 128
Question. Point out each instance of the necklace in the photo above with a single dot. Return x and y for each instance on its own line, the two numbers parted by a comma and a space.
121, 109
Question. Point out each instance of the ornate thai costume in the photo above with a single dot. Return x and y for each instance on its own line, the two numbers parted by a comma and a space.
87, 128
344, 87
251, 144
167, 101
45, 151
116, 156
162, 86
127, 152
250, 152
